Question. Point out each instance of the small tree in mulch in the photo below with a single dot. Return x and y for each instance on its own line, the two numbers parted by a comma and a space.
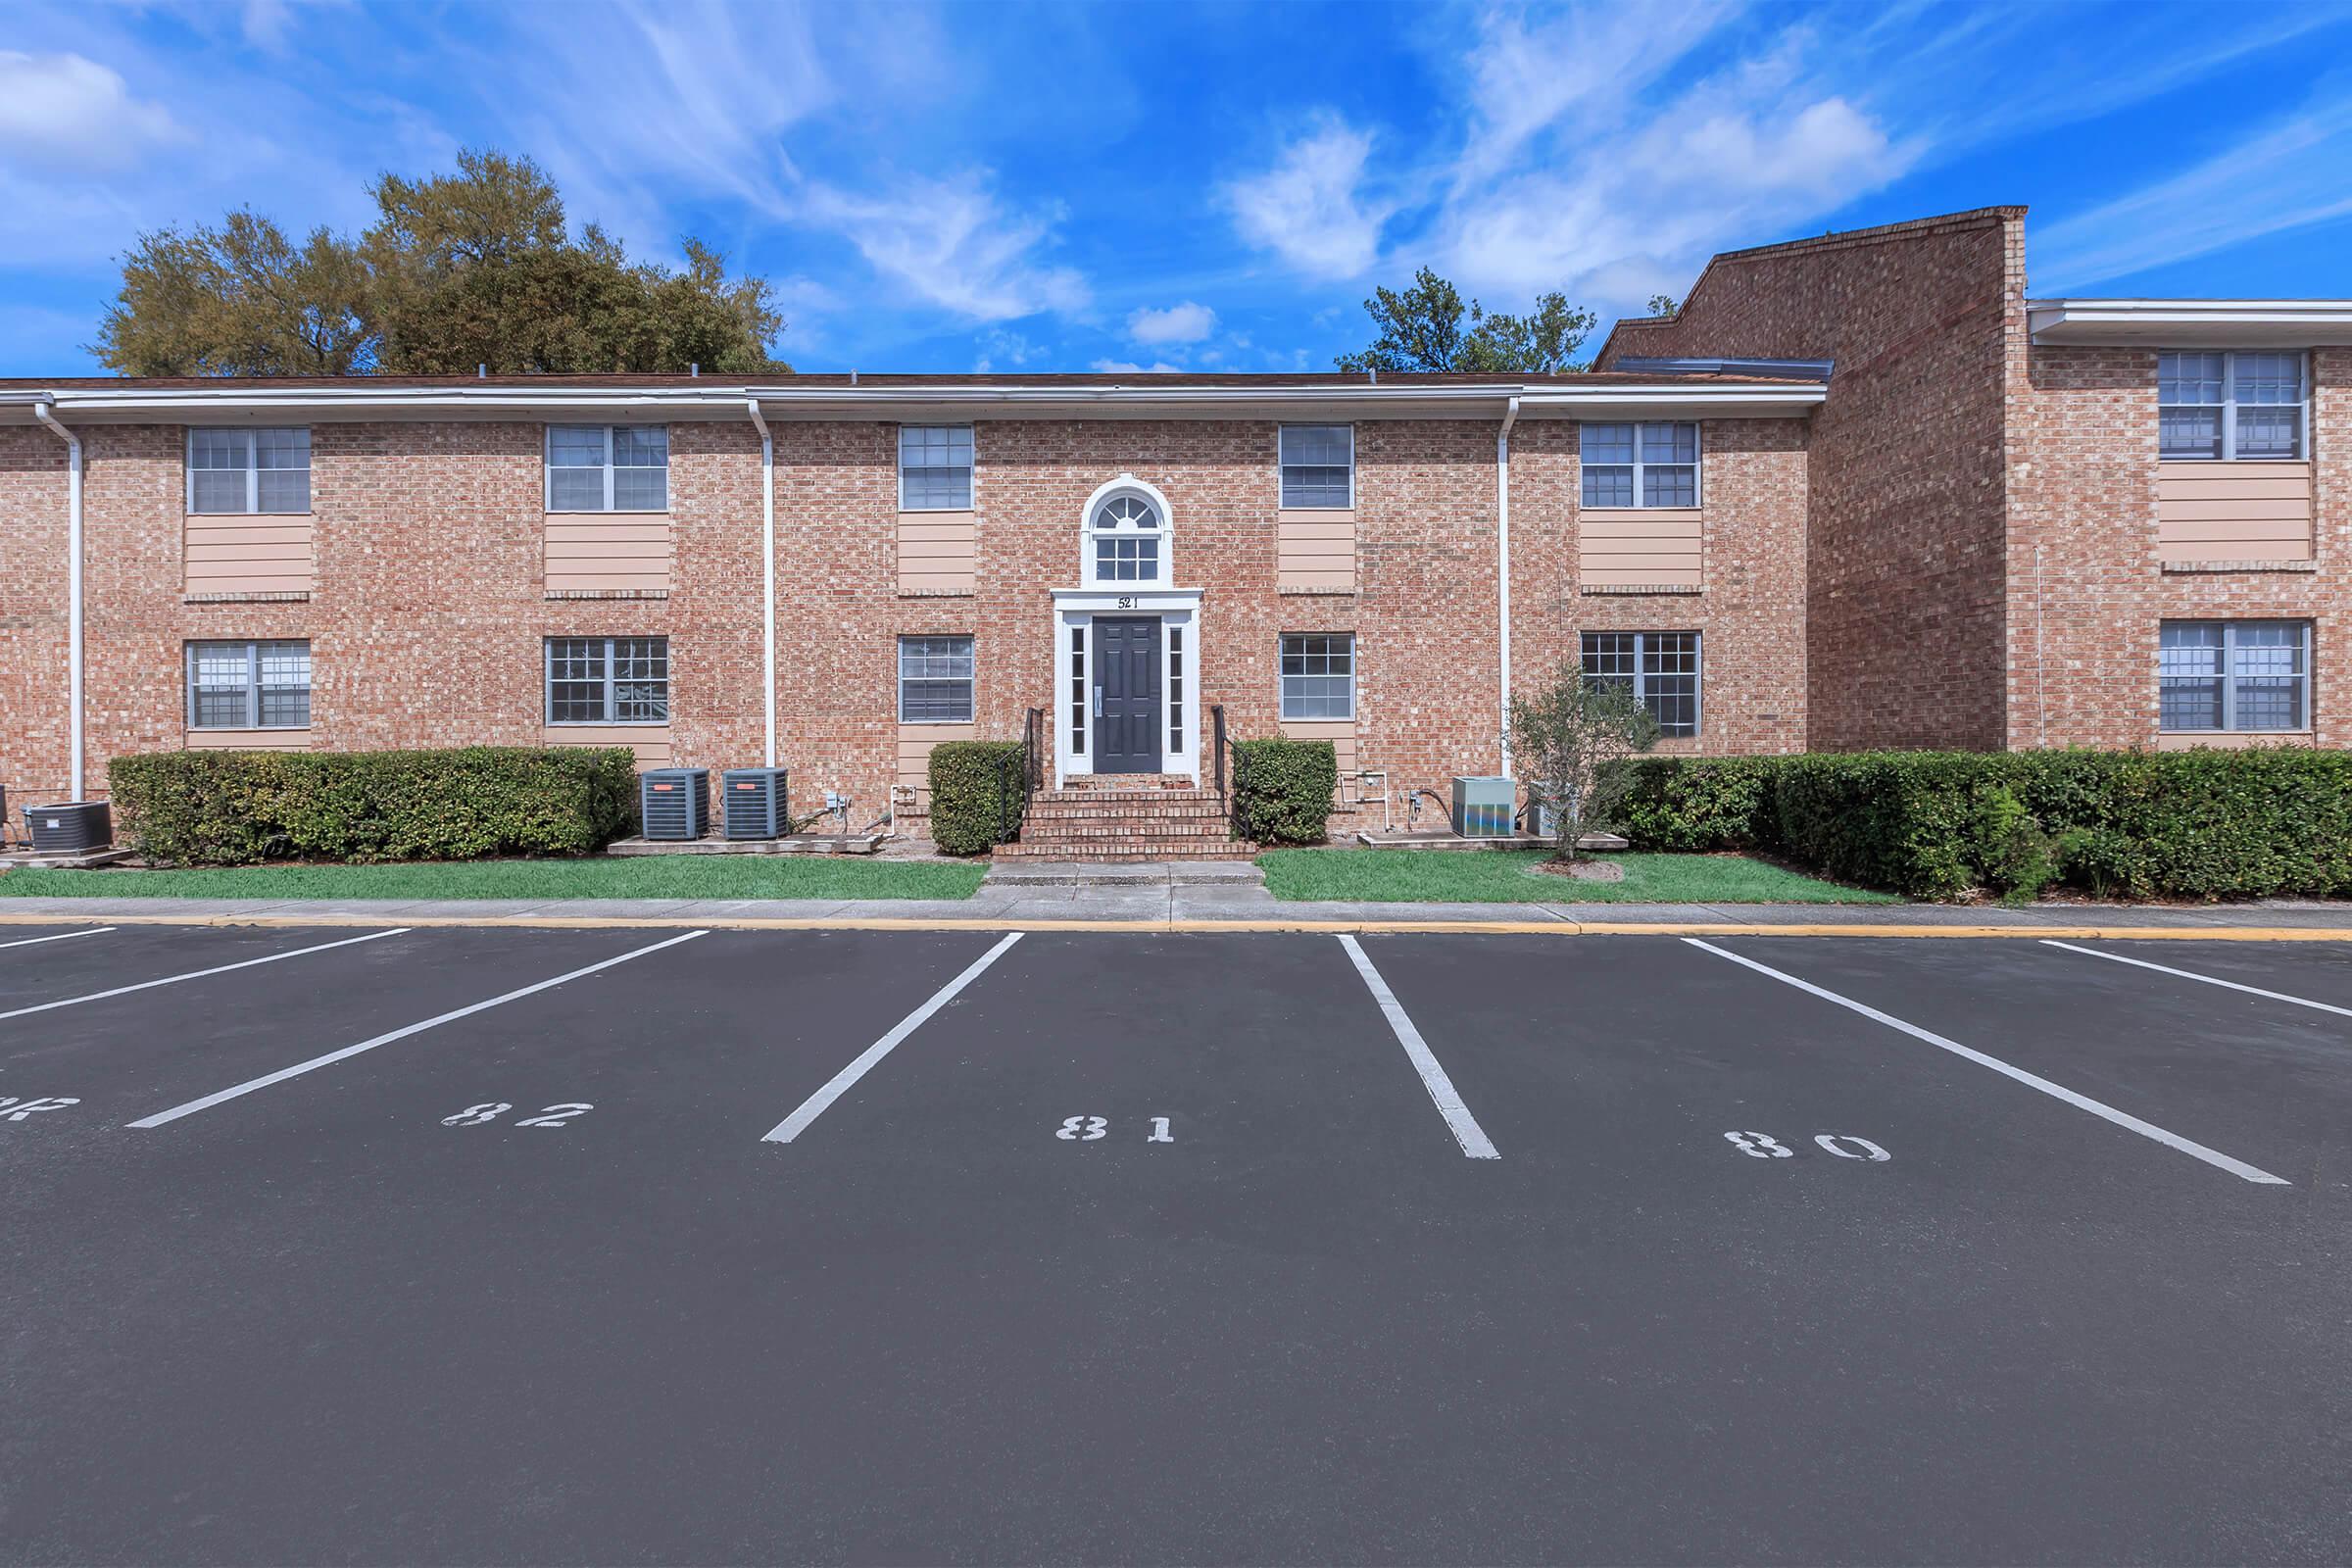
1567, 737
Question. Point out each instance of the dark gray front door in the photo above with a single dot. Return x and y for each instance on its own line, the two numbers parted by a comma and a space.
1127, 694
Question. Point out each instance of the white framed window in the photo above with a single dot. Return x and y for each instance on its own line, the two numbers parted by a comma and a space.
607, 467
935, 680
1319, 468
2232, 406
935, 468
1318, 675
1659, 667
2233, 675
608, 680
249, 685
1126, 541
248, 470
1654, 464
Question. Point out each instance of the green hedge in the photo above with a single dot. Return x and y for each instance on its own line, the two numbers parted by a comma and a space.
975, 794
2201, 824
1283, 789
239, 808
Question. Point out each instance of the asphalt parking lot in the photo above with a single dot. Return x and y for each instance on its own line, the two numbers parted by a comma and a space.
646, 1245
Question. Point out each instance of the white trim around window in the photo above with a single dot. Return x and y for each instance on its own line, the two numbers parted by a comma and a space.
937, 468
1317, 463
1127, 538
1650, 465
2232, 406
606, 467
248, 472
1316, 677
937, 679
2234, 678
249, 685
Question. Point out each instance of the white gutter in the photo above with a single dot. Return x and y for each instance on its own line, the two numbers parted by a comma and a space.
1503, 563
42, 411
767, 566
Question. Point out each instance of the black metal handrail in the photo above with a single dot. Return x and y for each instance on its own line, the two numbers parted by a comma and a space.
1216, 724
1031, 766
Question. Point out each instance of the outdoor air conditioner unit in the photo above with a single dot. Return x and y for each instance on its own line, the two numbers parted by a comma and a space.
1485, 807
74, 827
1544, 802
674, 802
756, 803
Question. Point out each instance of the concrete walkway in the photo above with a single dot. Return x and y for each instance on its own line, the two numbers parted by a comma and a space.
1170, 905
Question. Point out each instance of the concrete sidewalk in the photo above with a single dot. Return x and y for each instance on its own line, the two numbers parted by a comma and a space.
1146, 904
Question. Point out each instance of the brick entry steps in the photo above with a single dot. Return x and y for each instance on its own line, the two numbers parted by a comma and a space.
1125, 818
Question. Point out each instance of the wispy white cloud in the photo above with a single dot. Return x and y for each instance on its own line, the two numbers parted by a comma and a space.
66, 113
1128, 366
2287, 174
1312, 207
1187, 322
954, 243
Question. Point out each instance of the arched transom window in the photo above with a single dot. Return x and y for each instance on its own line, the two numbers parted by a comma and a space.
1127, 540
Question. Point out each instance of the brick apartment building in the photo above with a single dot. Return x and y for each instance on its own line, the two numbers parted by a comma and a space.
1859, 491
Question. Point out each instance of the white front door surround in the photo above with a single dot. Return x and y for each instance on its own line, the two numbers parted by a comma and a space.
1072, 711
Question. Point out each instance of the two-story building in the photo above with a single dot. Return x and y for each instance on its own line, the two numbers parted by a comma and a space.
1859, 491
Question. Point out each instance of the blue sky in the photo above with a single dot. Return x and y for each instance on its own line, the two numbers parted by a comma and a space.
1104, 186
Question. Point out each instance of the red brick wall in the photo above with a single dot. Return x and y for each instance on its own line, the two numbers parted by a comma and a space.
430, 611
1905, 571
2088, 596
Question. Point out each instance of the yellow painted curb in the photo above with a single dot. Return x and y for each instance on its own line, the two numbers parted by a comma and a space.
1561, 928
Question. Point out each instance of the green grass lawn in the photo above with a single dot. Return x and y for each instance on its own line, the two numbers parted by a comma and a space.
1504, 876
651, 876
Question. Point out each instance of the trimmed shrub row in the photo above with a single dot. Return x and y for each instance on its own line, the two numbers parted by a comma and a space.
1283, 789
975, 794
239, 808
2198, 824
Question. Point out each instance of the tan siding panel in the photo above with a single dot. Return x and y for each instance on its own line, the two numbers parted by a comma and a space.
1315, 551
939, 552
237, 553
1341, 732
2190, 549
915, 757
2233, 511
249, 740
1640, 548
2236, 742
1638, 578
651, 742
2296, 510
625, 552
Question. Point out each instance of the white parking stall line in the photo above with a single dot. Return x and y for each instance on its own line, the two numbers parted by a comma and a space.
1466, 1130
2125, 1119
348, 1051
2203, 979
199, 975
792, 1126
60, 936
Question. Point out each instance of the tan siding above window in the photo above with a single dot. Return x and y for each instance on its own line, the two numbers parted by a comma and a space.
1628, 546
2233, 511
939, 552
914, 758
248, 740
232, 554
626, 551
1315, 552
651, 742
2231, 740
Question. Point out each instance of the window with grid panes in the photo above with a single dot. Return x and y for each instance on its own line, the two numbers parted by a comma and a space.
249, 685
935, 468
1318, 675
1127, 540
608, 680
935, 680
2229, 407
607, 467
1659, 667
1318, 466
1648, 464
2224, 675
248, 470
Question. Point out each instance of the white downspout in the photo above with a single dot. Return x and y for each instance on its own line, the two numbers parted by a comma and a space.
767, 565
1502, 565
42, 411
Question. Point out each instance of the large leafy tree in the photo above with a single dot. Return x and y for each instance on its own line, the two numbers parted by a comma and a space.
476, 268
1423, 329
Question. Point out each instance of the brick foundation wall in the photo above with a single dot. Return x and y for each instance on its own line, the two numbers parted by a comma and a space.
1905, 573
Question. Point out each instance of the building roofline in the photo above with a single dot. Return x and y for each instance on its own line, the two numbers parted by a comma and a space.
2191, 324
